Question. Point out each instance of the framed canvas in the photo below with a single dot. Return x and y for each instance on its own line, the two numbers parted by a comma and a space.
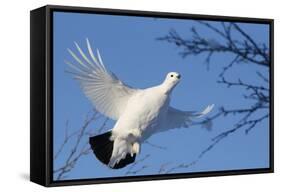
121, 95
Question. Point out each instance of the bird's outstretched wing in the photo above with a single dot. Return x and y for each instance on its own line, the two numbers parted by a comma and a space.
102, 87
177, 118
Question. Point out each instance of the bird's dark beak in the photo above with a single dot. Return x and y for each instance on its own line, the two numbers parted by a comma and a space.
179, 76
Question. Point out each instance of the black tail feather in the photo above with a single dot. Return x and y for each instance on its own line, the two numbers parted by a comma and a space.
102, 147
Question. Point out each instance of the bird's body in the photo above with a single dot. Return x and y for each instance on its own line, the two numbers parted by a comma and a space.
143, 114
139, 113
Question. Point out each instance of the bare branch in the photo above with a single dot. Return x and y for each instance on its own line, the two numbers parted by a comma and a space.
154, 145
163, 167
132, 170
245, 48
258, 49
80, 145
262, 77
230, 65
246, 51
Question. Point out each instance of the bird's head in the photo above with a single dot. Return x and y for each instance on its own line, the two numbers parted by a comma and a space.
171, 80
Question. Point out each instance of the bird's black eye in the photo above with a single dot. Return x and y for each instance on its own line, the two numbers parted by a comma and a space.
172, 75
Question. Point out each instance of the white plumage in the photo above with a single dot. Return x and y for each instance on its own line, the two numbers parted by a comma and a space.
139, 113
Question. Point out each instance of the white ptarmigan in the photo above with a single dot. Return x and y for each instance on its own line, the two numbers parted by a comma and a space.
139, 113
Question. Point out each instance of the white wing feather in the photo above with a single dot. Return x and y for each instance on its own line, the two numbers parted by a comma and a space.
177, 118
108, 94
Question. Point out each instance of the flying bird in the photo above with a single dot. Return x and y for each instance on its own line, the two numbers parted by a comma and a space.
139, 113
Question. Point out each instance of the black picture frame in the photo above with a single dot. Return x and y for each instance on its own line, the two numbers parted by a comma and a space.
41, 102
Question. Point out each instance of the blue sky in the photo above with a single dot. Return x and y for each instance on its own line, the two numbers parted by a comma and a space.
129, 48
